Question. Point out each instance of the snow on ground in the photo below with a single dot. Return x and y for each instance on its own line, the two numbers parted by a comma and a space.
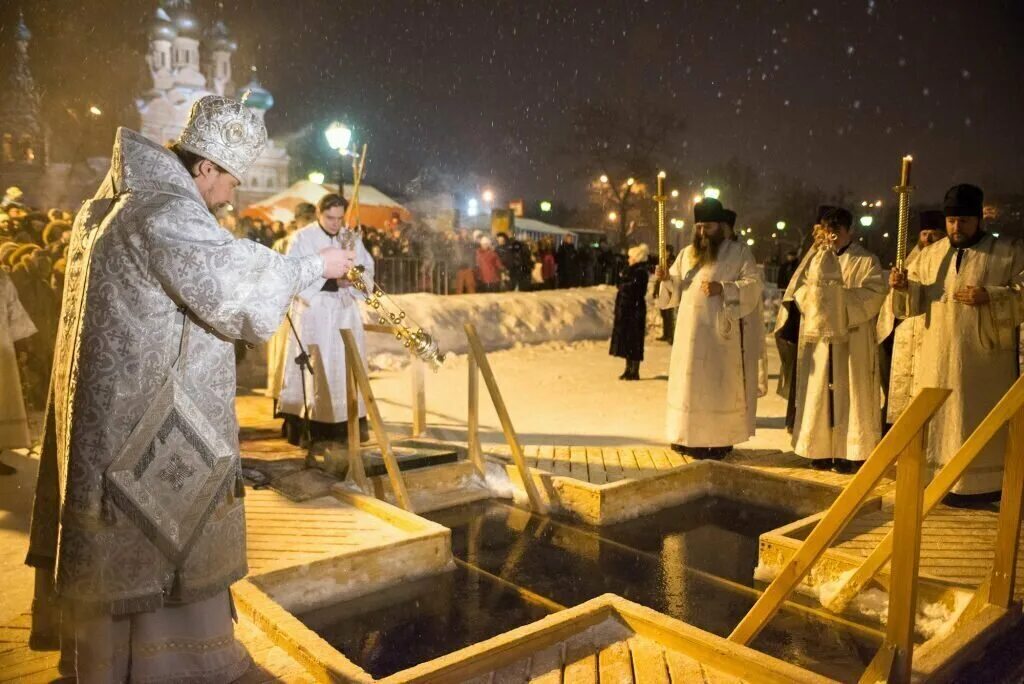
549, 352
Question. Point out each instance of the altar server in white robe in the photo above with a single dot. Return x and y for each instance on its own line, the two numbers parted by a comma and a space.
898, 340
14, 325
969, 289
318, 313
839, 289
716, 283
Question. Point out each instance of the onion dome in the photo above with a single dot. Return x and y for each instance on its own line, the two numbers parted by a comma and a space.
185, 22
161, 28
219, 38
21, 32
256, 96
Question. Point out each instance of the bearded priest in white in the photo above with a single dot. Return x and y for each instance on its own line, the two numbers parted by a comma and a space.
898, 340
318, 312
715, 283
969, 290
838, 288
138, 530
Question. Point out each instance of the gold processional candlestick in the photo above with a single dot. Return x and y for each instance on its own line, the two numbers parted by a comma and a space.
903, 190
660, 199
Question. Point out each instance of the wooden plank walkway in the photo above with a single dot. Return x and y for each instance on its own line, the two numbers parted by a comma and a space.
633, 660
603, 464
283, 532
957, 544
20, 664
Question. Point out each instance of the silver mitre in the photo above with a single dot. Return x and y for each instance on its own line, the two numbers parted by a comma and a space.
226, 132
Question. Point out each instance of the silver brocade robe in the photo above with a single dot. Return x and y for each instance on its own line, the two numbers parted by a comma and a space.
144, 248
971, 350
713, 375
856, 384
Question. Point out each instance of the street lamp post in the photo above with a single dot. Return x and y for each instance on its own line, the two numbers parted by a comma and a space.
338, 138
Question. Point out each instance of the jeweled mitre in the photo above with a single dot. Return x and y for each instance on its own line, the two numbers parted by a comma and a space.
226, 132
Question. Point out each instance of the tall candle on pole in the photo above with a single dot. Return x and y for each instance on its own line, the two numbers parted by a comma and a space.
660, 199
903, 191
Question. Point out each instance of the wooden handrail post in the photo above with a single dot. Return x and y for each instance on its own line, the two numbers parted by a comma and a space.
1004, 566
363, 382
477, 349
419, 398
894, 664
941, 484
355, 454
473, 417
839, 513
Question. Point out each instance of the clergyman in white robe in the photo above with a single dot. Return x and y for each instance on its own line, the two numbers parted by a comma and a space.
318, 315
969, 349
713, 378
14, 325
839, 296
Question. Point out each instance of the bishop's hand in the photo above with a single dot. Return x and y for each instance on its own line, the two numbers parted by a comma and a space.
337, 262
711, 288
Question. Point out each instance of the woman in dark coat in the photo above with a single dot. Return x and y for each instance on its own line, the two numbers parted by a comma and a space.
631, 314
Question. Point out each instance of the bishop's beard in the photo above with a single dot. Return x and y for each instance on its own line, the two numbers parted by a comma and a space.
705, 249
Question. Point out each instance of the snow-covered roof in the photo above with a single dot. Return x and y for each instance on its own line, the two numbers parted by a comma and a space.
308, 191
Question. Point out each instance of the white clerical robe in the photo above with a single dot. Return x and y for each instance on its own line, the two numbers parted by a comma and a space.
277, 345
318, 316
905, 343
971, 350
851, 302
713, 378
14, 325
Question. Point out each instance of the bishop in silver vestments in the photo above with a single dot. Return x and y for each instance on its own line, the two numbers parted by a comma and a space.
712, 380
968, 291
156, 292
838, 289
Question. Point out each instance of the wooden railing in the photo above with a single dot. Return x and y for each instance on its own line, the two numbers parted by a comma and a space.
905, 442
479, 365
1009, 409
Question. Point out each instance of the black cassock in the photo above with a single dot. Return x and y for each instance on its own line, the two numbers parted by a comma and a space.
630, 314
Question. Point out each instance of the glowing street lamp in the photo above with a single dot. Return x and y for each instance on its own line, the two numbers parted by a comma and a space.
866, 221
750, 242
885, 235
472, 207
630, 181
317, 177
780, 225
545, 206
878, 203
603, 179
95, 111
864, 203
338, 137
612, 216
713, 193
674, 193
488, 195
678, 223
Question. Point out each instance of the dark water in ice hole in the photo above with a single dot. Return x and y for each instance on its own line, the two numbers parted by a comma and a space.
656, 560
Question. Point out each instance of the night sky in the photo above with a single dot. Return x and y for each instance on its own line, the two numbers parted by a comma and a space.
829, 92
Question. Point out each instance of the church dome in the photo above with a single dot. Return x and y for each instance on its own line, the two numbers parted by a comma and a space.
162, 28
185, 22
256, 96
219, 38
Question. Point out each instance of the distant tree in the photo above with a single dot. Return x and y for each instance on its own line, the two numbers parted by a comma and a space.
622, 141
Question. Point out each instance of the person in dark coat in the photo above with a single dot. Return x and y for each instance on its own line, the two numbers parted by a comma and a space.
631, 313
567, 259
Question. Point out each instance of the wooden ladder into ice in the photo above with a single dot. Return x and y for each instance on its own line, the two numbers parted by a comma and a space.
992, 605
358, 383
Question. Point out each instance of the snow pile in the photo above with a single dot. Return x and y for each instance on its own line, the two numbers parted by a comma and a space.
503, 321
932, 619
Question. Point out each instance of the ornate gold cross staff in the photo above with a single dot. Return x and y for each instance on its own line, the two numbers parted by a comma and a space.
903, 190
